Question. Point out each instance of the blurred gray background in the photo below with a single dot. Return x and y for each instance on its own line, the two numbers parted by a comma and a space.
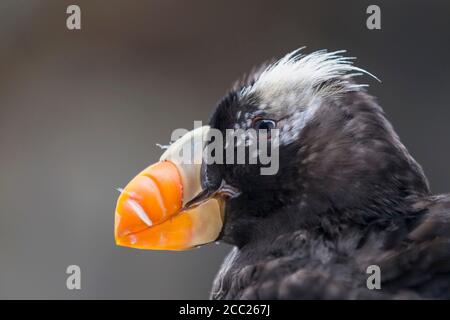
81, 111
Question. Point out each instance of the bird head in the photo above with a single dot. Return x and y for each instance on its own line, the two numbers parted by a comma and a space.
314, 144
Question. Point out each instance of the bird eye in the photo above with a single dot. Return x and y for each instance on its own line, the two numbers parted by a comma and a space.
264, 124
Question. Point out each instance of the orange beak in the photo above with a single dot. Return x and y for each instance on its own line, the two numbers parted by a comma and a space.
150, 211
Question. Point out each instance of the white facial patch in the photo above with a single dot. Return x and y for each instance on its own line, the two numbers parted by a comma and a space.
291, 127
296, 85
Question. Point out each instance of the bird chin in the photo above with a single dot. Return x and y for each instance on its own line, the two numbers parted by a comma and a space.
151, 210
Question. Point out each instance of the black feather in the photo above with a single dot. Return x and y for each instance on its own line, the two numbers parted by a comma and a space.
348, 195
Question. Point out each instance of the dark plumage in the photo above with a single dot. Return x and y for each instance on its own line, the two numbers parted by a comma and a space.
347, 194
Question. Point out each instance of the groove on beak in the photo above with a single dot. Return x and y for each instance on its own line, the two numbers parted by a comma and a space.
152, 197
151, 210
